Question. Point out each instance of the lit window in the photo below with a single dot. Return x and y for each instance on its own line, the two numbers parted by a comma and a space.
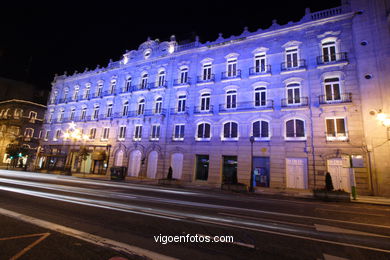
336, 129
29, 132
92, 133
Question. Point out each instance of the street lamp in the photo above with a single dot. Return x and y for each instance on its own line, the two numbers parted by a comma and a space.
252, 140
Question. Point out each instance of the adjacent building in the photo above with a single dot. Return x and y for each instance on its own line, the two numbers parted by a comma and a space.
291, 97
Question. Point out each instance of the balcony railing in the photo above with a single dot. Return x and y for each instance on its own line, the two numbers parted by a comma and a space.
203, 109
332, 58
175, 111
181, 82
253, 71
295, 102
109, 93
332, 99
294, 65
234, 74
205, 79
247, 106
155, 85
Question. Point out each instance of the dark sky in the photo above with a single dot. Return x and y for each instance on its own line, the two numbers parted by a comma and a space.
39, 40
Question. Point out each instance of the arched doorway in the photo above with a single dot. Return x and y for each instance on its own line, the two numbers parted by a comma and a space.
177, 165
152, 164
134, 163
119, 158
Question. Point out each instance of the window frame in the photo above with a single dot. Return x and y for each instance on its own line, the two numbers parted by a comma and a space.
337, 136
261, 138
203, 136
295, 138
230, 133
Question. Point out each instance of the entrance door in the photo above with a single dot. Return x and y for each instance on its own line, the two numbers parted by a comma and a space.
152, 164
134, 163
261, 171
229, 172
296, 173
340, 175
177, 165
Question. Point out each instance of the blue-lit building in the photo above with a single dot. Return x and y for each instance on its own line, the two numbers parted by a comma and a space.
295, 88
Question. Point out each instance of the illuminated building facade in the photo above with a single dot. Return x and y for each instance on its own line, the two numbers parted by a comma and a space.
193, 107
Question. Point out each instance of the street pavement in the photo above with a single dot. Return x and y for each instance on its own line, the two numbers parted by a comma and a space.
126, 220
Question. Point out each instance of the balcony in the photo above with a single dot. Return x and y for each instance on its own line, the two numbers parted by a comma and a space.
337, 137
158, 85
126, 90
182, 82
176, 111
206, 79
141, 87
335, 99
334, 58
246, 106
203, 109
295, 102
261, 70
109, 93
293, 66
234, 74
147, 112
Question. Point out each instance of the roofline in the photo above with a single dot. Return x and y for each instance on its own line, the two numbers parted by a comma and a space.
22, 101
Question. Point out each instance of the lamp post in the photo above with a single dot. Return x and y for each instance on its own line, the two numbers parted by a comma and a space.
252, 140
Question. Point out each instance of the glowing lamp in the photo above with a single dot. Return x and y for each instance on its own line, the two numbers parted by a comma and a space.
381, 116
66, 135
386, 122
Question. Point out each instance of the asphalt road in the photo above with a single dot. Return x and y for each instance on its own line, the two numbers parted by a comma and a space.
143, 220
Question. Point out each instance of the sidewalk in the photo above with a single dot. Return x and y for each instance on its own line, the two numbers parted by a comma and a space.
372, 200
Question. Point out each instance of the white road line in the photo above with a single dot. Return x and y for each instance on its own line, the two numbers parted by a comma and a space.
351, 212
325, 228
268, 220
97, 240
297, 236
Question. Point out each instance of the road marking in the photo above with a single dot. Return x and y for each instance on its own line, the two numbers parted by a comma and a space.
352, 212
269, 220
297, 236
90, 238
325, 228
30, 246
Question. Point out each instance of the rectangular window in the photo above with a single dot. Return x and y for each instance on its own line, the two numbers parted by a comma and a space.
29, 132
122, 133
181, 104
260, 63
83, 113
92, 133
58, 135
47, 135
33, 116
232, 68
202, 167
155, 134
206, 73
332, 89
336, 129
261, 129
292, 58
138, 132
109, 110
178, 132
106, 133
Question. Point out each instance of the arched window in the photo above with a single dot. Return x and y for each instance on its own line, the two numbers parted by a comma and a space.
144, 81
112, 86
260, 129
76, 92
231, 99
183, 75
72, 113
141, 107
127, 84
158, 105
203, 131
295, 129
260, 96
95, 114
87, 91
230, 130
161, 79
83, 113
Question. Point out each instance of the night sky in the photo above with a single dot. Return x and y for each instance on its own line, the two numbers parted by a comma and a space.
39, 40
